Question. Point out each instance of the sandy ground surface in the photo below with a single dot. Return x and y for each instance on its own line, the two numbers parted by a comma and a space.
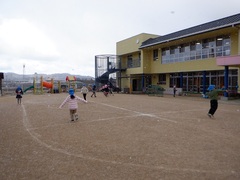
119, 137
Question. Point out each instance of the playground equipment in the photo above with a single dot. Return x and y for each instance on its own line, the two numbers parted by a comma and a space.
30, 87
71, 80
47, 84
39, 89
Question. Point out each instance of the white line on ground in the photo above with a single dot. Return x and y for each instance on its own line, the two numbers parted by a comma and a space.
51, 147
139, 113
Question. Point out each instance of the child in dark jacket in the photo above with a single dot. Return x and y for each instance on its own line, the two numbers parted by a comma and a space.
19, 94
213, 95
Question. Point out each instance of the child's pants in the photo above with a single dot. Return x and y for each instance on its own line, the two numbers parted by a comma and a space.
72, 113
84, 96
214, 106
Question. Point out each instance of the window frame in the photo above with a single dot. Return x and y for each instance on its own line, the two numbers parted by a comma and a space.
155, 54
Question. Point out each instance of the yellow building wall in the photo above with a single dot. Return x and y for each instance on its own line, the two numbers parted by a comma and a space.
132, 44
188, 66
147, 61
125, 84
235, 43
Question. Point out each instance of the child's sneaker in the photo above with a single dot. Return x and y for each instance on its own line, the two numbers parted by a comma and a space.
76, 117
210, 115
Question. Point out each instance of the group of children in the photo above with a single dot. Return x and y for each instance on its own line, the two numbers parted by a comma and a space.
72, 99
212, 94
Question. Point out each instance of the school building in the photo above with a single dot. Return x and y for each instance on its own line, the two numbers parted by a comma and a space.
191, 59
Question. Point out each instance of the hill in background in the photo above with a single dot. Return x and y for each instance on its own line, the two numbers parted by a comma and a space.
29, 77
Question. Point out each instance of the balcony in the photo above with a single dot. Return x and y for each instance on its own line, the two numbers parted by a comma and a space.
233, 61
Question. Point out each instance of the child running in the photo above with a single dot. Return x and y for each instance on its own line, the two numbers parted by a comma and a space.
105, 90
94, 89
72, 104
213, 95
84, 91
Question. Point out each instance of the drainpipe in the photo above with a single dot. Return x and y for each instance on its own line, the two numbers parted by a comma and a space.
107, 63
181, 80
226, 80
204, 82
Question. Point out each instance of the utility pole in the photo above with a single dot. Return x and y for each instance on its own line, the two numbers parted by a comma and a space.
23, 76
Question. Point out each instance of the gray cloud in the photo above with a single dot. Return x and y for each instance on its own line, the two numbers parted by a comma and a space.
64, 35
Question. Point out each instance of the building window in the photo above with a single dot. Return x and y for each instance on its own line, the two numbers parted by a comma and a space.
186, 55
181, 53
165, 55
155, 54
226, 46
223, 46
193, 46
174, 52
192, 50
181, 49
129, 61
212, 47
134, 63
200, 49
162, 79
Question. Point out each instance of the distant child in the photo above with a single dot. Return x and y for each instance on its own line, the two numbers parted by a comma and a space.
174, 91
94, 88
19, 94
105, 90
110, 90
72, 104
84, 91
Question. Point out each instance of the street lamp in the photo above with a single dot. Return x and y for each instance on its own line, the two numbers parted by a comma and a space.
23, 75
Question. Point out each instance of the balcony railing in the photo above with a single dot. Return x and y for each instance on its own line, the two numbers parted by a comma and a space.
133, 63
228, 61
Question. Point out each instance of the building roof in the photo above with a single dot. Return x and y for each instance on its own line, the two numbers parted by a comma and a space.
210, 26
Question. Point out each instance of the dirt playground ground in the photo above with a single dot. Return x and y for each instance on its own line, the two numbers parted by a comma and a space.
120, 137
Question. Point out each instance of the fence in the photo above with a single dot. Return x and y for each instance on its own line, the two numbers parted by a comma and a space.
155, 90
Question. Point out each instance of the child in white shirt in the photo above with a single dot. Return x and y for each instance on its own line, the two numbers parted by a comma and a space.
72, 104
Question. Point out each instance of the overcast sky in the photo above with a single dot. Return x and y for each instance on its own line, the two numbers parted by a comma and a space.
63, 36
